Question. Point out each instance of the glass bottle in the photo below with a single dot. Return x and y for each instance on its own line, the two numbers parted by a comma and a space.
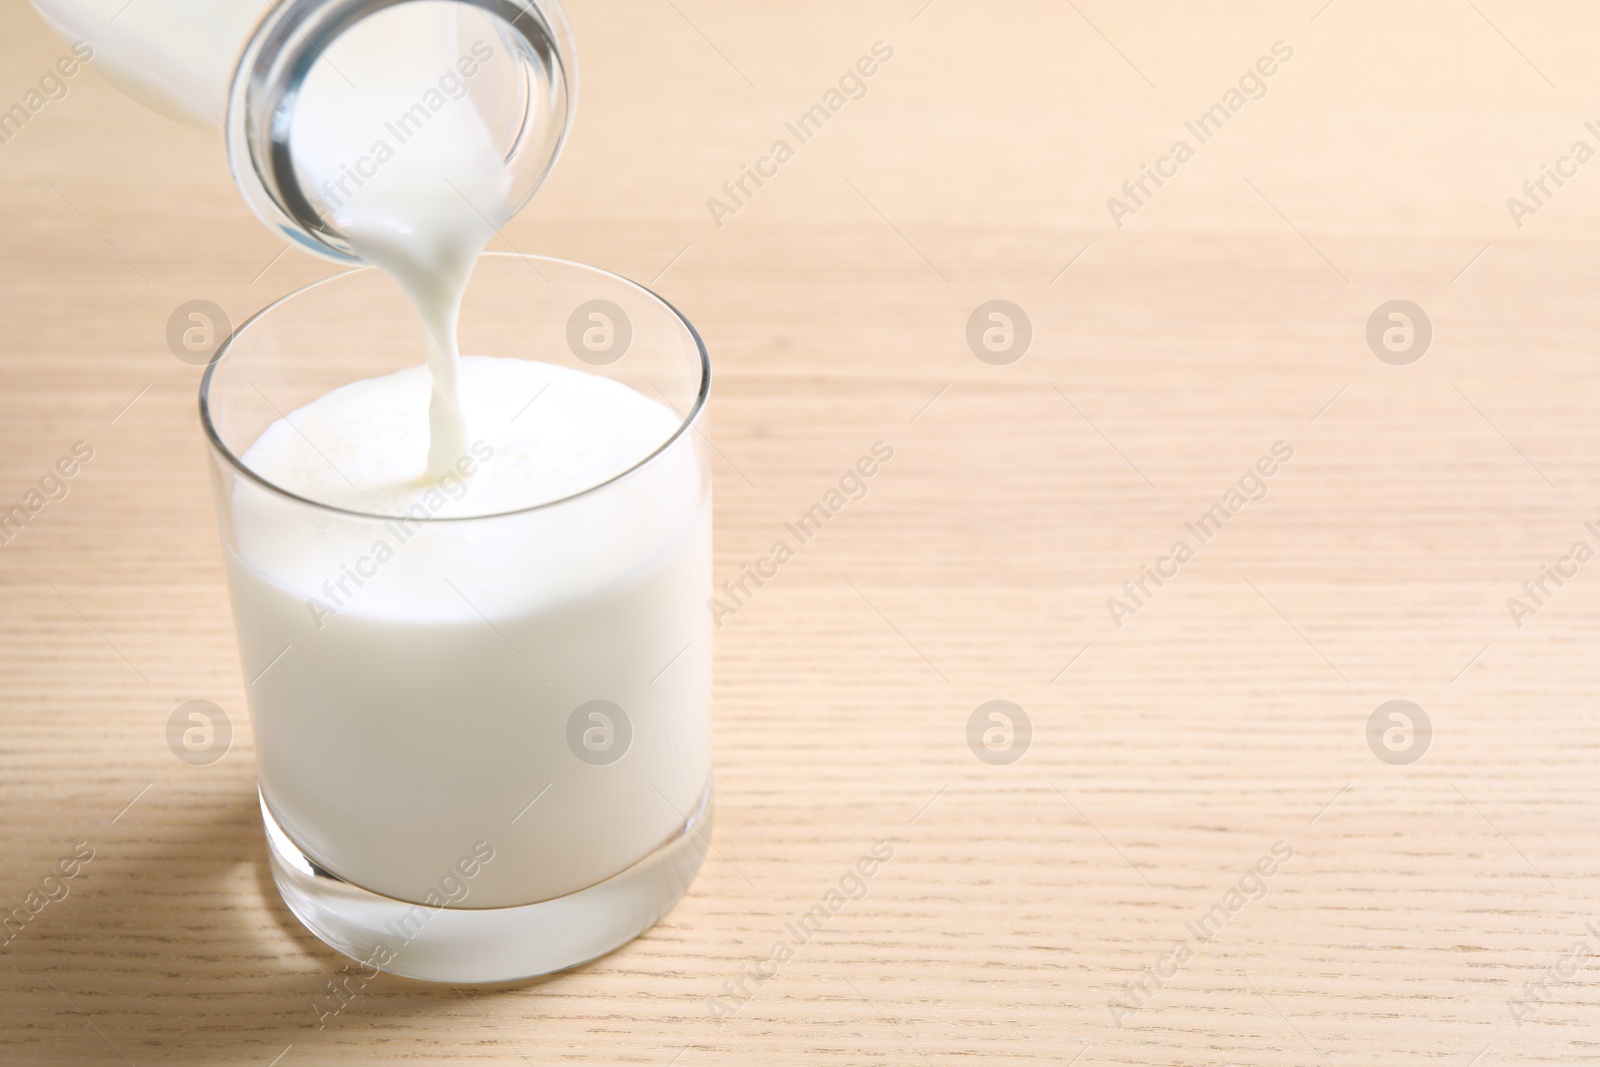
371, 70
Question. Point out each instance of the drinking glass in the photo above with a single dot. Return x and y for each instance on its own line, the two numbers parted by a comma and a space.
483, 743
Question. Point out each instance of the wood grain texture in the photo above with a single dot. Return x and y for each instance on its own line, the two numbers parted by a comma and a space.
1168, 755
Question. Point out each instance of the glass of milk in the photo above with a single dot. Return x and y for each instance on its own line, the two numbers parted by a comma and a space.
479, 689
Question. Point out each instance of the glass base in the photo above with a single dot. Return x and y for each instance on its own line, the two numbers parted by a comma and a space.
487, 944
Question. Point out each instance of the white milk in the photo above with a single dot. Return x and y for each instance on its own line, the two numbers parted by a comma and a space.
423, 709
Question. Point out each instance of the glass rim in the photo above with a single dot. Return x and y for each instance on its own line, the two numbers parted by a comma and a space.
686, 423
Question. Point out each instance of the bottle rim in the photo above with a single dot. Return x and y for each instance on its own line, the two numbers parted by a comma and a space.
267, 83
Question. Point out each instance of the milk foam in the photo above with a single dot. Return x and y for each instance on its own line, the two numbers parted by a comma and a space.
551, 431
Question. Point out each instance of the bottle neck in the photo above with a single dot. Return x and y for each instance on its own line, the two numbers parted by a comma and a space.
175, 56
296, 35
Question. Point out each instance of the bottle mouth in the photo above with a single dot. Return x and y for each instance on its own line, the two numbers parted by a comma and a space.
295, 36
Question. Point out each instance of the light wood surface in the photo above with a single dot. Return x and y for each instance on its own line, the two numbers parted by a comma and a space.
1168, 756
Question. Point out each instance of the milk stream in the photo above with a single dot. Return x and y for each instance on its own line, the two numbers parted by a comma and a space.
405, 166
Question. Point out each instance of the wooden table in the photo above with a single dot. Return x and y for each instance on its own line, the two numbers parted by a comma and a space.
1099, 900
